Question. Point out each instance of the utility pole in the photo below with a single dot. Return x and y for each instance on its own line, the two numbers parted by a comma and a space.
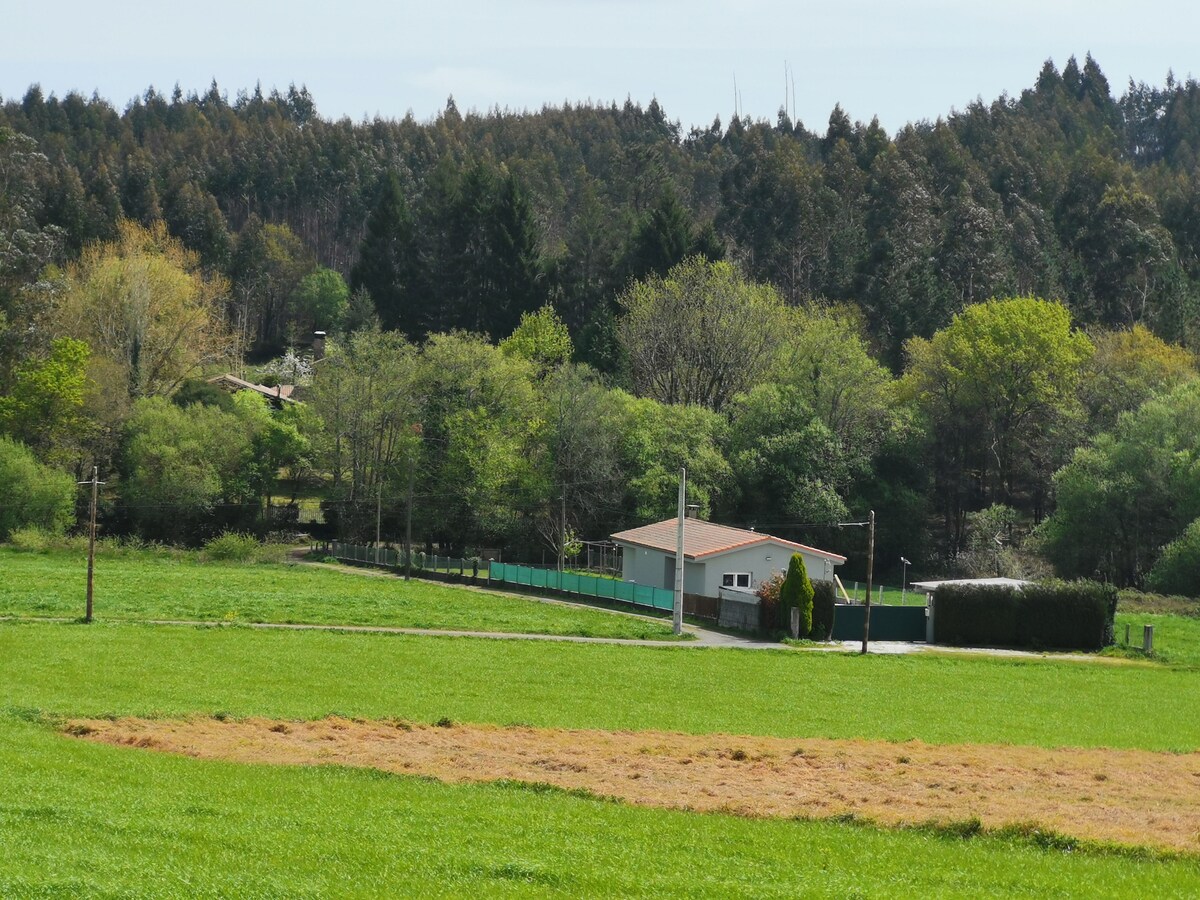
870, 571
677, 606
562, 537
378, 517
91, 539
412, 473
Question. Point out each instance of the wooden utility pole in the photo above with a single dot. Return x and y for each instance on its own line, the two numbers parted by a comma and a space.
677, 606
412, 474
378, 517
870, 571
95, 483
562, 535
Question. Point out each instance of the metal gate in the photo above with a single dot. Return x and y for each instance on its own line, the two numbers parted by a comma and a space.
888, 623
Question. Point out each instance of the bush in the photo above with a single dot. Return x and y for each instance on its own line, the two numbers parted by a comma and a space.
34, 495
32, 539
231, 546
1076, 615
824, 599
234, 546
797, 592
1178, 568
768, 601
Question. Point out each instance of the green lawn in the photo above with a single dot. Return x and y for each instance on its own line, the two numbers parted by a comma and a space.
127, 669
1176, 638
155, 586
79, 819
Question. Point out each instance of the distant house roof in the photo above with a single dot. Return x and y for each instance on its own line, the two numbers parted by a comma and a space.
280, 394
983, 582
703, 539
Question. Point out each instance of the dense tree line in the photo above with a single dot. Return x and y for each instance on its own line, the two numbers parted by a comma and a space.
466, 221
572, 303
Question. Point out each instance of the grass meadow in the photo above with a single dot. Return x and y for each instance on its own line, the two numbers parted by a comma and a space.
141, 586
83, 819
80, 819
1176, 638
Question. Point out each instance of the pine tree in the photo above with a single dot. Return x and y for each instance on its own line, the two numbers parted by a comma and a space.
387, 266
516, 276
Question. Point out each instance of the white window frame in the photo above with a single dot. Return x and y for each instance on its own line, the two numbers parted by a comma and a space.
737, 579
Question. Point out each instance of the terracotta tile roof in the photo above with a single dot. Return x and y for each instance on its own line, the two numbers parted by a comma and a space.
702, 539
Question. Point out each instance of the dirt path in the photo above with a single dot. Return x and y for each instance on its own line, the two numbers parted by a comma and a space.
1128, 797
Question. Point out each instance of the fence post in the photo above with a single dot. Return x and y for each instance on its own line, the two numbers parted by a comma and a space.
1148, 639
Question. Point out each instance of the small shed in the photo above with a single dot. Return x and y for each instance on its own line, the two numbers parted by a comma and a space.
714, 556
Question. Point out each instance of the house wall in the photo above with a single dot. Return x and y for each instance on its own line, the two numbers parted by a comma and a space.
650, 567
755, 561
658, 568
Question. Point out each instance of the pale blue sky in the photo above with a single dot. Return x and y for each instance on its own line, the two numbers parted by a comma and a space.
903, 62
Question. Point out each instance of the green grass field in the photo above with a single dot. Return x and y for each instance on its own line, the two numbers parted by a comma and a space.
158, 586
80, 819
126, 669
1176, 638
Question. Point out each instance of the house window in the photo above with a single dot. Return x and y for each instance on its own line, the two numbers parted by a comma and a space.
735, 579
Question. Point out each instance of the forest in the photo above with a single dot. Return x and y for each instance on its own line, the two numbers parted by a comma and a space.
983, 327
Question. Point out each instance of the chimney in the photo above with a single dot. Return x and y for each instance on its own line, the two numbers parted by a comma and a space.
693, 510
318, 345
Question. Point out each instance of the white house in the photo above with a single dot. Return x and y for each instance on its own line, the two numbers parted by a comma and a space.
714, 556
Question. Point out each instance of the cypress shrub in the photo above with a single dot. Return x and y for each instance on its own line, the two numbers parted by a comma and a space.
797, 591
1075, 615
822, 616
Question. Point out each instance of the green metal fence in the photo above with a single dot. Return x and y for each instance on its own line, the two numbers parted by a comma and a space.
568, 582
585, 585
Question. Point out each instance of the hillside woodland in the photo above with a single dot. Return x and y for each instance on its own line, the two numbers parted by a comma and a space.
982, 327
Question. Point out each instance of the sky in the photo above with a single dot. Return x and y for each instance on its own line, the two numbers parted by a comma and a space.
903, 62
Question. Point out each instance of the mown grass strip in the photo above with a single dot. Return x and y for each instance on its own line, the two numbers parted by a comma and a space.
144, 670
141, 586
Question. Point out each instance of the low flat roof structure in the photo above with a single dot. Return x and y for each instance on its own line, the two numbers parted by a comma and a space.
982, 582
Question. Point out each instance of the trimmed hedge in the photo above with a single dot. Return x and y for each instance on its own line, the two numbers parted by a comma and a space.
822, 614
1075, 615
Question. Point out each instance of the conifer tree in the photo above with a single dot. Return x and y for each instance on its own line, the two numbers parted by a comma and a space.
386, 266
797, 591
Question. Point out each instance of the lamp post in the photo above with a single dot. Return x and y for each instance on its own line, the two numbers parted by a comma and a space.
904, 579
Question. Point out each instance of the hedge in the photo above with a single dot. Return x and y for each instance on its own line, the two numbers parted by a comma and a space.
822, 614
1076, 615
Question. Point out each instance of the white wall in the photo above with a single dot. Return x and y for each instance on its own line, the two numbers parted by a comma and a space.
704, 578
755, 561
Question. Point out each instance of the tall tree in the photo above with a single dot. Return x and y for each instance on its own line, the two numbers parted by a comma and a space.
144, 304
991, 387
700, 335
387, 262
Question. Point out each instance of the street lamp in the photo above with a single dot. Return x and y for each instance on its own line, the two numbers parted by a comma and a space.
904, 579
